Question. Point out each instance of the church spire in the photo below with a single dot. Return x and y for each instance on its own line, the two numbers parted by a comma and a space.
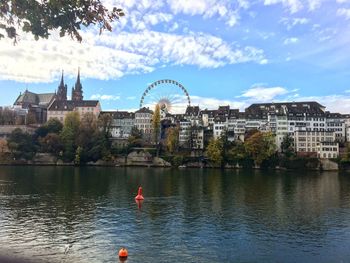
77, 91
62, 90
78, 79
62, 82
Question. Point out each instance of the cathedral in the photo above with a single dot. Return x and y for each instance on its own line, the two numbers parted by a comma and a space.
61, 105
77, 90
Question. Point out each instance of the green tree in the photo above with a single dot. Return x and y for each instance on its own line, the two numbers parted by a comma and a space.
78, 153
53, 125
88, 131
69, 134
172, 139
287, 146
214, 151
41, 17
105, 124
260, 146
135, 138
156, 124
21, 144
237, 152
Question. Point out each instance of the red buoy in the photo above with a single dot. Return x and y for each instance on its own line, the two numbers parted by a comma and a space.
139, 194
123, 253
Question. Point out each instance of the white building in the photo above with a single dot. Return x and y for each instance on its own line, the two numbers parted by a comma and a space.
328, 150
308, 142
143, 121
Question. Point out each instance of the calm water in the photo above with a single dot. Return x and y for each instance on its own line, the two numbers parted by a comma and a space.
188, 215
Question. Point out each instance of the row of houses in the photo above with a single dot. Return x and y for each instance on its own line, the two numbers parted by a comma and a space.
315, 131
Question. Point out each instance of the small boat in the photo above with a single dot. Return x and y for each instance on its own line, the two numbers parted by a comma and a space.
182, 166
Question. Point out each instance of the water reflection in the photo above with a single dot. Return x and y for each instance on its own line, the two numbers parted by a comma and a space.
188, 215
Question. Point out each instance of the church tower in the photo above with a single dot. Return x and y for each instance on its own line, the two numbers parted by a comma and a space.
62, 90
77, 91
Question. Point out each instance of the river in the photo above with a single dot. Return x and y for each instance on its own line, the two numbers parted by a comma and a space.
67, 214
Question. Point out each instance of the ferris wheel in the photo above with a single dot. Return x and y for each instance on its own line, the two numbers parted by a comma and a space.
170, 95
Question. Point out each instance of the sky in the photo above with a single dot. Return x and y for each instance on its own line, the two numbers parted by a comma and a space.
224, 52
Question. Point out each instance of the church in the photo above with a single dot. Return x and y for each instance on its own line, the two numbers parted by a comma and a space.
61, 106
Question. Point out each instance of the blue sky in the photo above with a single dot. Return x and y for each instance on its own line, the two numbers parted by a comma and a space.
223, 52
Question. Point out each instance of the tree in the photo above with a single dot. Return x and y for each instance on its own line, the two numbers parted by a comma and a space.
214, 151
41, 17
287, 146
69, 133
156, 124
51, 143
105, 124
260, 146
87, 130
226, 144
21, 144
3, 145
237, 152
135, 138
250, 133
52, 126
172, 139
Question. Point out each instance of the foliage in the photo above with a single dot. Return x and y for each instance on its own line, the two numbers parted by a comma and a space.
156, 124
226, 145
178, 160
51, 143
250, 133
21, 144
172, 139
260, 146
3, 145
236, 153
78, 155
299, 163
68, 135
51, 126
41, 17
135, 138
287, 146
214, 151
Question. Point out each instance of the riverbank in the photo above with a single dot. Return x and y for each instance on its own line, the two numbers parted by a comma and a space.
145, 159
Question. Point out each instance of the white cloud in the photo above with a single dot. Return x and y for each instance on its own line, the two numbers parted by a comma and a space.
333, 103
263, 94
291, 40
111, 56
344, 12
343, 1
104, 97
292, 5
131, 98
157, 18
314, 4
296, 5
214, 103
224, 9
292, 22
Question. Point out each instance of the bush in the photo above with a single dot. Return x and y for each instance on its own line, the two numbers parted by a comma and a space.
299, 163
178, 160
